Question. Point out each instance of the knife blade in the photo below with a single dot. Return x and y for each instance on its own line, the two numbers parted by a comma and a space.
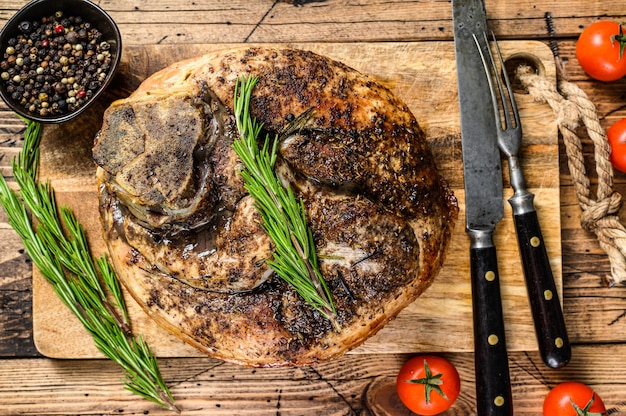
484, 208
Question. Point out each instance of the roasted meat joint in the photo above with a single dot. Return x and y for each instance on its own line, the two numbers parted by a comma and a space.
187, 236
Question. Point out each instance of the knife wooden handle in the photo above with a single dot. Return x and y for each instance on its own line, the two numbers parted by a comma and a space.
493, 385
545, 306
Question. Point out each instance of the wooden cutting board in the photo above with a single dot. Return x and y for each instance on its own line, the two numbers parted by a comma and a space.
424, 76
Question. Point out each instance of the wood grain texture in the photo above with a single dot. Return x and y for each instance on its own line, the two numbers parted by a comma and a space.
352, 385
171, 22
595, 313
424, 76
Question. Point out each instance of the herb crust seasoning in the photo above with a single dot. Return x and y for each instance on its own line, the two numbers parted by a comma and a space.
55, 64
184, 234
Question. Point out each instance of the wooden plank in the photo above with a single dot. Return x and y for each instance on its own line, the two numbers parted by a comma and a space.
331, 20
353, 384
423, 75
15, 295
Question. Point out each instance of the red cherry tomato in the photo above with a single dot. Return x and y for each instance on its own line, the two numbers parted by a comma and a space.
617, 139
428, 384
598, 51
573, 399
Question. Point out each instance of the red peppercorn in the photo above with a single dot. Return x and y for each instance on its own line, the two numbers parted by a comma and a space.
81, 94
58, 29
45, 43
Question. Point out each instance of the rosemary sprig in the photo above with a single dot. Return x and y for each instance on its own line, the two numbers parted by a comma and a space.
58, 247
284, 218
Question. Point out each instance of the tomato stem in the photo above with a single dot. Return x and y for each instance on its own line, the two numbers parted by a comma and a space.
585, 411
431, 382
621, 38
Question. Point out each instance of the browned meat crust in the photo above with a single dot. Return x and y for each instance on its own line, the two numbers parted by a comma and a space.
184, 236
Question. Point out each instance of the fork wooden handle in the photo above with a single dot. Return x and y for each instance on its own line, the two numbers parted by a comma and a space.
550, 329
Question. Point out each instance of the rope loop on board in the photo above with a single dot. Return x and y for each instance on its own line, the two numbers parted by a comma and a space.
573, 109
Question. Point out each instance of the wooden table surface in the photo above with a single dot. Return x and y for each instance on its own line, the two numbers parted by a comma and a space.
358, 384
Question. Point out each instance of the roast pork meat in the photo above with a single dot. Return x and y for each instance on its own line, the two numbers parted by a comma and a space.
185, 236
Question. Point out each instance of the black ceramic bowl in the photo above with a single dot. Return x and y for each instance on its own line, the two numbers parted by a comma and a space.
89, 12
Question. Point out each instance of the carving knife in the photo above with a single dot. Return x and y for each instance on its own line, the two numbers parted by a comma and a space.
484, 202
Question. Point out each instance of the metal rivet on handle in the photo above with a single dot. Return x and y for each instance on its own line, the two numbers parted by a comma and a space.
493, 339
490, 276
535, 242
547, 294
498, 401
558, 342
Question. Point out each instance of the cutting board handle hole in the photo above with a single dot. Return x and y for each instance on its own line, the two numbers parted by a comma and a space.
513, 61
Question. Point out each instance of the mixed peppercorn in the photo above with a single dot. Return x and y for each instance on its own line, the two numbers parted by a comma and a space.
55, 65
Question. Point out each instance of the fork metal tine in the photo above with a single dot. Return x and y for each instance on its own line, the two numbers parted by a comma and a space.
509, 88
508, 103
486, 66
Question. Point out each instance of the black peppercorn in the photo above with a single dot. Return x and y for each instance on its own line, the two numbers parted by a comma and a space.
60, 88
25, 26
71, 37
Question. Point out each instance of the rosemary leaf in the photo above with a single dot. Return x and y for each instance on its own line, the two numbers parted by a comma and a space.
284, 217
58, 248
113, 285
